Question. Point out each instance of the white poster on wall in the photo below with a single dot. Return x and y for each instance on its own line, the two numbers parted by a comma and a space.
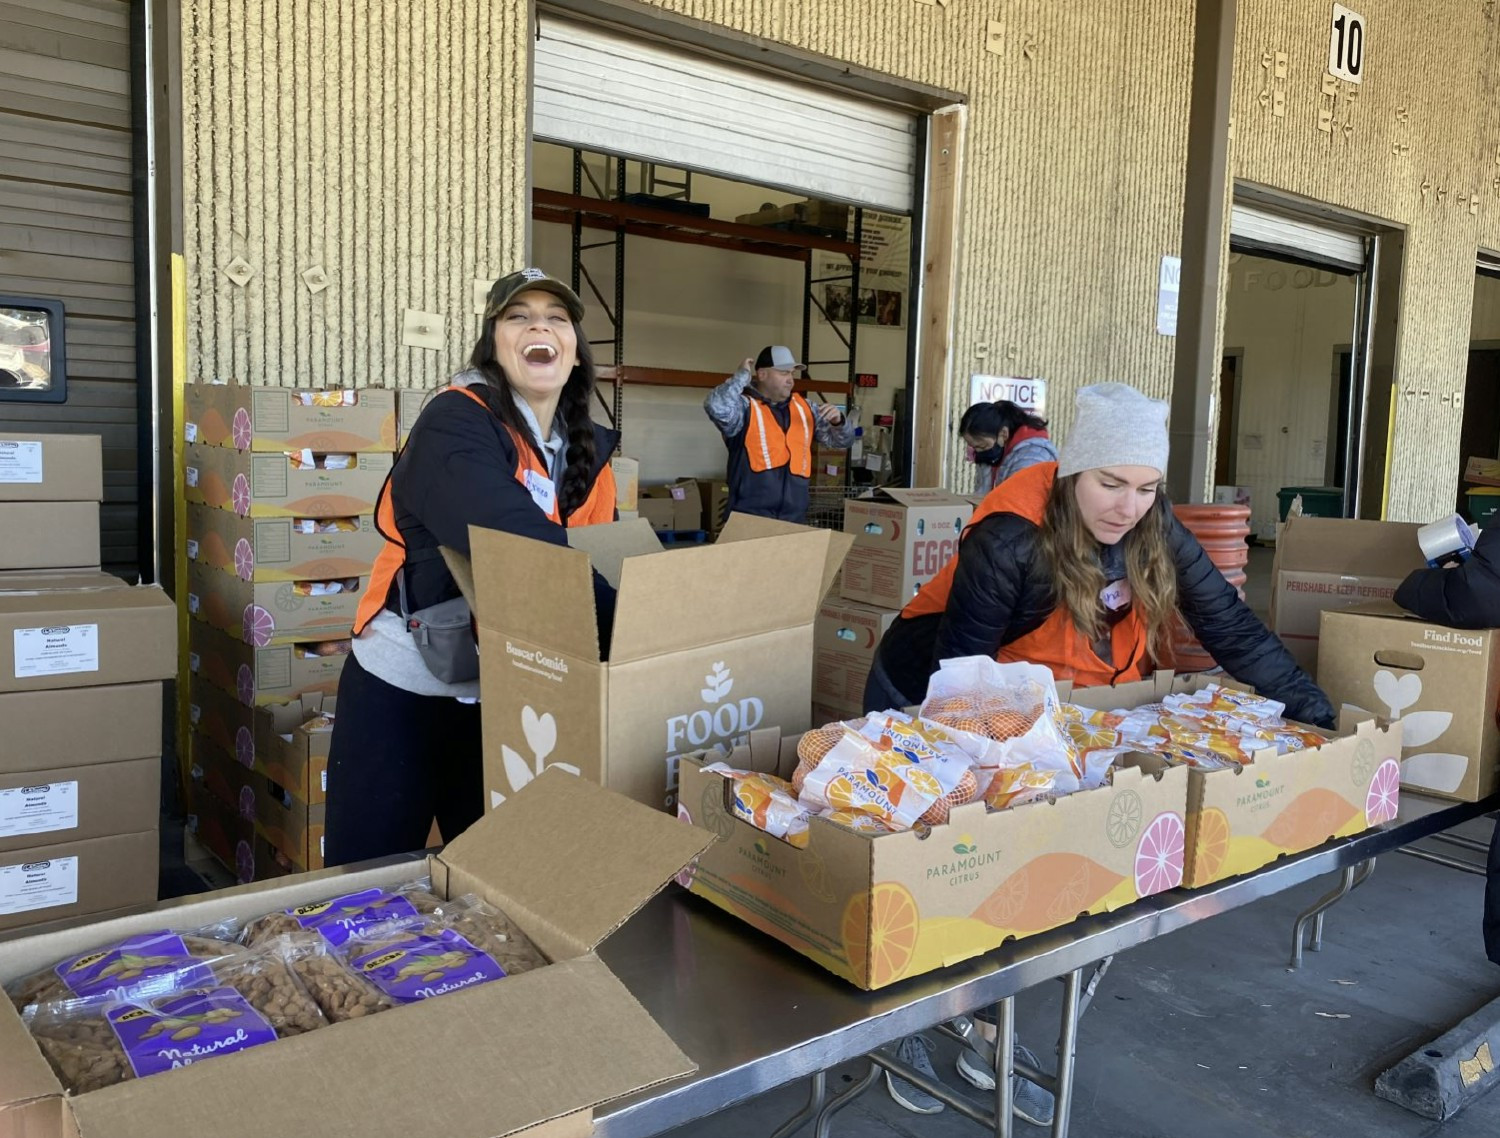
1026, 392
884, 270
1168, 288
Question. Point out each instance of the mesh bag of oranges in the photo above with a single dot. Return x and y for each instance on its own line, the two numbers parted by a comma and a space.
767, 803
872, 776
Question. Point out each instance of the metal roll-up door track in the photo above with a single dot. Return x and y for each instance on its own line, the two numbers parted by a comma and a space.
599, 90
1262, 231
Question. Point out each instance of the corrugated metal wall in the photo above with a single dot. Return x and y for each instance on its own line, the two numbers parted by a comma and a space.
1417, 145
387, 144
65, 223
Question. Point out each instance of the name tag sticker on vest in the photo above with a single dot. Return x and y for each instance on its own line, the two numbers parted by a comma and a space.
1115, 595
543, 491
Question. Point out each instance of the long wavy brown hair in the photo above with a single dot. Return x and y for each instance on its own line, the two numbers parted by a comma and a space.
1071, 553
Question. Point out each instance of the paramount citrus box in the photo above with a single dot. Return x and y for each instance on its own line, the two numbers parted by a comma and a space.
877, 909
286, 418
279, 486
1243, 818
261, 612
280, 549
273, 674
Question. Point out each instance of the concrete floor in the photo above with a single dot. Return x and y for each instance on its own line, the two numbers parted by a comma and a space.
1206, 1034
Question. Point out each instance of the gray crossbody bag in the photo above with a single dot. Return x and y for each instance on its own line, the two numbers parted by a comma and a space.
443, 634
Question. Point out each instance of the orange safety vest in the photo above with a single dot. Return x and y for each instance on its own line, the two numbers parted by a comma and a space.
771, 448
1057, 643
597, 509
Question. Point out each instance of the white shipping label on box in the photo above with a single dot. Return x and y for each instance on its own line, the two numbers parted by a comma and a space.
38, 809
38, 885
20, 462
56, 651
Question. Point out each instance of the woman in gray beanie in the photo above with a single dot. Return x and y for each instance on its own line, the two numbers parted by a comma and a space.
1079, 565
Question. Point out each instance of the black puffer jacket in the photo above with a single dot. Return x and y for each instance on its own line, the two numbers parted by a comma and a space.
1466, 596
1001, 592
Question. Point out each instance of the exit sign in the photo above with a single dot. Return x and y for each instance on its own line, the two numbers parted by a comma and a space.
866, 379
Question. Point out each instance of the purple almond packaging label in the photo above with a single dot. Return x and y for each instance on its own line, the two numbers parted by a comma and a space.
343, 917
135, 966
421, 965
186, 1029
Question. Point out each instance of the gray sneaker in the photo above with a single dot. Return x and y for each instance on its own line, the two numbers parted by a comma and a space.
913, 1051
1031, 1102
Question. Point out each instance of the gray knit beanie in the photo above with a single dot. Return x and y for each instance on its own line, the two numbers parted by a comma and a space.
1115, 425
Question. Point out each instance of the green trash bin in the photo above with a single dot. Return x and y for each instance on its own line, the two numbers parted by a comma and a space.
1484, 503
1317, 501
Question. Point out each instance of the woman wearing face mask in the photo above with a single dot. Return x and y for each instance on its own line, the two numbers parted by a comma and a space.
1003, 438
508, 446
1079, 565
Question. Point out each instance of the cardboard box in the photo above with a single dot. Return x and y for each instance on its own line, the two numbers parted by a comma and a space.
223, 830
1332, 563
1243, 818
220, 717
83, 630
844, 642
688, 667
275, 419
966, 888
44, 730
288, 753
229, 782
627, 472
1440, 684
65, 879
686, 505
265, 612
50, 468
271, 486
49, 535
270, 549
902, 539
293, 828
75, 803
571, 1033
824, 215
1477, 471
714, 494
273, 674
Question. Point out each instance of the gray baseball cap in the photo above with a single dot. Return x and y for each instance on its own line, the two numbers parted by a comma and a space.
778, 356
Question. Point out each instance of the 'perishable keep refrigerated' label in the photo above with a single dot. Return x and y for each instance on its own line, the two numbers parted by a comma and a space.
38, 885
20, 461
38, 809
56, 651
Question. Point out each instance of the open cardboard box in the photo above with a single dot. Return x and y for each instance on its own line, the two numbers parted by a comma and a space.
1242, 818
567, 861
273, 674
273, 419
288, 753
709, 643
269, 549
902, 540
262, 612
926, 902
271, 486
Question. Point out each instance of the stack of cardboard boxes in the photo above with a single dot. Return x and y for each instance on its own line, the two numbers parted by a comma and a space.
82, 657
902, 539
281, 486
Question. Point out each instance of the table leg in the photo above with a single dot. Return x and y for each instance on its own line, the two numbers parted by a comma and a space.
839, 1101
1067, 1054
1005, 1048
816, 1097
1351, 878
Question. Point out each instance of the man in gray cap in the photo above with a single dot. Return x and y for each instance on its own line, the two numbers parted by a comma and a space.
769, 430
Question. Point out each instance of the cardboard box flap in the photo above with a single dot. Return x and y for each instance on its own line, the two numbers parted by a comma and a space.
1348, 546
540, 1046
24, 1075
917, 497
609, 545
710, 594
1388, 609
559, 613
747, 527
559, 853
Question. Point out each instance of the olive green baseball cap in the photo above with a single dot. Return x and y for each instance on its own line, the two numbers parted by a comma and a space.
508, 287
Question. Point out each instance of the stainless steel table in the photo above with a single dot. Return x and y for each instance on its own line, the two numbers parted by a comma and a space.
754, 1015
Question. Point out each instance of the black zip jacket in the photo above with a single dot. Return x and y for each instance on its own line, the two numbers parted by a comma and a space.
1001, 592
1467, 596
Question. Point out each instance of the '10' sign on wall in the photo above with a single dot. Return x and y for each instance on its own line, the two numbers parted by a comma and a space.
1346, 44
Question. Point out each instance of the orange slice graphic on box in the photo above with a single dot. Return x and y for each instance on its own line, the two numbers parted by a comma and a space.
1312, 818
244, 685
1384, 795
210, 490
1213, 843
1159, 857
259, 626
240, 429
1073, 898
239, 495
244, 747
1031, 899
880, 931
244, 560
211, 427
211, 550
1004, 905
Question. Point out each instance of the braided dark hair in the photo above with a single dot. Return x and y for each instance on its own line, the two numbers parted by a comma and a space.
582, 454
992, 418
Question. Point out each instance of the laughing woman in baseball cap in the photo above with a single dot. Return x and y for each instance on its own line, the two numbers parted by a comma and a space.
509, 445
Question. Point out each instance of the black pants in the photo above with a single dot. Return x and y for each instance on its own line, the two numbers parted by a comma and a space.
1492, 901
396, 762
